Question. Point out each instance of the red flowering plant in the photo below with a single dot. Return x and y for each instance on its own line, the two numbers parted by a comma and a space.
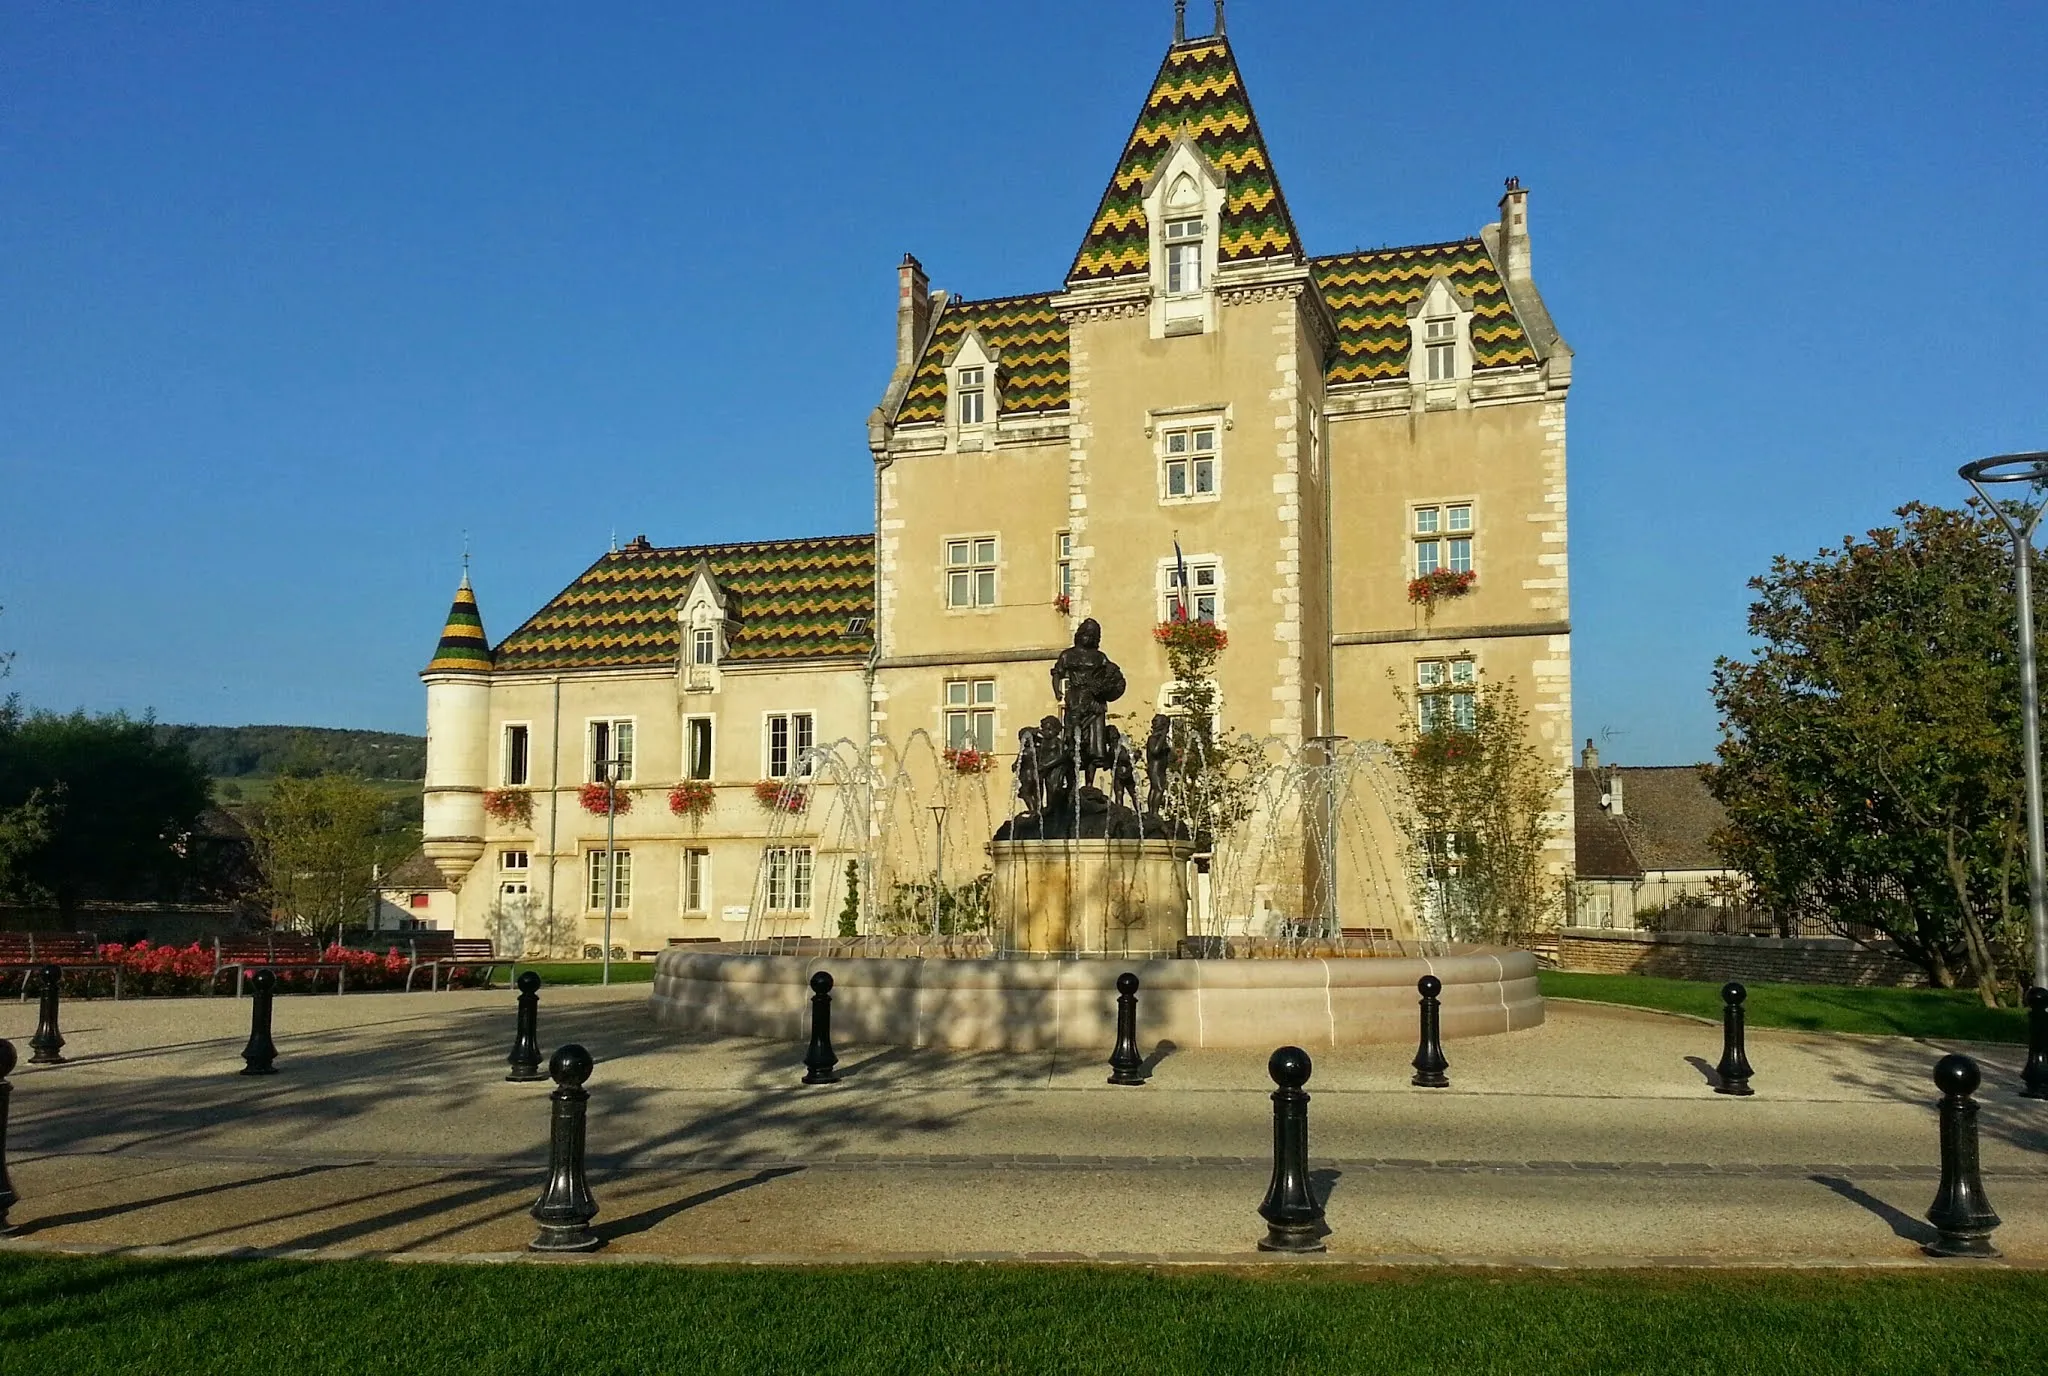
1063, 604
1437, 585
1200, 638
593, 799
965, 759
692, 798
780, 795
174, 971
509, 805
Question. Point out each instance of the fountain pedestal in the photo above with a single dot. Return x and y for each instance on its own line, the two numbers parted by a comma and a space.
1105, 896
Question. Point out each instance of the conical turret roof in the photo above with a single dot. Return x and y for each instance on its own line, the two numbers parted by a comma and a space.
464, 647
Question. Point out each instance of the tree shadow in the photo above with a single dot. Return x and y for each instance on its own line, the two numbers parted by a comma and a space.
1901, 1223
105, 1211
1901, 1071
648, 1219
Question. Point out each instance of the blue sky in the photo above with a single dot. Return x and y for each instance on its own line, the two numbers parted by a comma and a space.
293, 295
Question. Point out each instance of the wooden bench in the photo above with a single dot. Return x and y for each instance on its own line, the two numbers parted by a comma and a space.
243, 955
438, 951
29, 952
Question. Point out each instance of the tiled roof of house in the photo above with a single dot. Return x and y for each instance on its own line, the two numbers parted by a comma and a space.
1198, 91
1370, 293
786, 599
463, 647
1028, 339
1668, 822
416, 871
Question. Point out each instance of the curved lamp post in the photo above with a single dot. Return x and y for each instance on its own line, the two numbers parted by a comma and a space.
2031, 469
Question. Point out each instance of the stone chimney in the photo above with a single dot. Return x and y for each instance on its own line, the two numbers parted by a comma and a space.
913, 312
1589, 758
1514, 232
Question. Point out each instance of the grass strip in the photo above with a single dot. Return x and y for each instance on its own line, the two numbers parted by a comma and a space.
589, 971
106, 1315
1942, 1014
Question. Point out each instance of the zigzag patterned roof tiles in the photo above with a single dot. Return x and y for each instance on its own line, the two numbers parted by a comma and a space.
464, 649
786, 600
1030, 343
1370, 293
1198, 91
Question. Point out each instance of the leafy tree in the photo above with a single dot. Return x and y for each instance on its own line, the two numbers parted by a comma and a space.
317, 840
1870, 760
1480, 800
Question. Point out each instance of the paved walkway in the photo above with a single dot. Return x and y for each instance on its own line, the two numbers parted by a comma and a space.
1593, 1140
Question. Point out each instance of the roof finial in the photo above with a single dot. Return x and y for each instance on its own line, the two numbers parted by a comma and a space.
1219, 18
465, 558
1180, 21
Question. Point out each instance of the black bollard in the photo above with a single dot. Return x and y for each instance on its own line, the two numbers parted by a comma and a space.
2035, 1077
1960, 1212
8, 1198
1125, 1061
1733, 1072
565, 1207
525, 1057
1429, 1062
1294, 1219
819, 1058
260, 1054
46, 1047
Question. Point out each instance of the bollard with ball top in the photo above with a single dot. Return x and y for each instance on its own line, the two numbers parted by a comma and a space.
525, 1057
46, 1047
1125, 1061
566, 1207
8, 1198
1733, 1073
1960, 1213
260, 1055
1293, 1217
819, 1057
2034, 1079
1429, 1062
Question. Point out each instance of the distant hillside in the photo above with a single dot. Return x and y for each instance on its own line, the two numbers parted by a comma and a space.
239, 752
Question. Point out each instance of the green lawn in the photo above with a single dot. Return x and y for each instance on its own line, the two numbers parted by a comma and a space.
1942, 1013
94, 1315
589, 971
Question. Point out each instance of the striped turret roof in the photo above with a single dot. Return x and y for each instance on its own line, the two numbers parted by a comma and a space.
785, 600
463, 647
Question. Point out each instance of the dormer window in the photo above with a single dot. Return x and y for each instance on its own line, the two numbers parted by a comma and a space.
973, 393
703, 646
1440, 339
1184, 257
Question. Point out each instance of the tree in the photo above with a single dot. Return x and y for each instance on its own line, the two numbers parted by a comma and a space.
317, 840
1870, 759
1478, 819
1212, 781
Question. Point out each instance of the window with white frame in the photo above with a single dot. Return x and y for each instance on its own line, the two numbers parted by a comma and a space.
697, 755
1443, 539
1184, 256
510, 860
518, 750
971, 714
1063, 569
971, 572
613, 867
787, 878
1440, 344
1445, 694
1201, 600
973, 396
696, 885
703, 645
790, 738
611, 740
1189, 456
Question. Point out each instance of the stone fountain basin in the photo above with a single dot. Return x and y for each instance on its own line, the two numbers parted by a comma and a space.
1043, 1005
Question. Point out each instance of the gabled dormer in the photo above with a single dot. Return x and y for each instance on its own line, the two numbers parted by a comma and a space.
1184, 203
703, 615
974, 398
1440, 345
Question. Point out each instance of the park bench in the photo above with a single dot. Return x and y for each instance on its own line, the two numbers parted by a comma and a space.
245, 955
438, 951
28, 952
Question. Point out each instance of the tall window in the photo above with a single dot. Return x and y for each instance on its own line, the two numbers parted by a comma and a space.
615, 867
516, 754
972, 394
790, 738
703, 645
1444, 694
514, 868
611, 740
1183, 257
1443, 539
696, 881
1191, 462
697, 748
971, 573
1440, 340
1203, 597
971, 714
1063, 570
788, 878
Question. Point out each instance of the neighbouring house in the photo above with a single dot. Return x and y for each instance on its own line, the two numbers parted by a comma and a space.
414, 895
1645, 847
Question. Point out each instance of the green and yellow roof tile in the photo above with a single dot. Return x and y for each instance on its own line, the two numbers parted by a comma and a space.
1370, 295
464, 649
1028, 339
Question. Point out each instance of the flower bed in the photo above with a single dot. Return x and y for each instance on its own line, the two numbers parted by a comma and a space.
777, 795
509, 805
593, 800
692, 798
180, 971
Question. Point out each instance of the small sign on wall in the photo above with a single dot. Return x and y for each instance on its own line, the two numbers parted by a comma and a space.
734, 914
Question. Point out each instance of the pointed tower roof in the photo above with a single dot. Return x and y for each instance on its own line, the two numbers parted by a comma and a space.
463, 647
1199, 93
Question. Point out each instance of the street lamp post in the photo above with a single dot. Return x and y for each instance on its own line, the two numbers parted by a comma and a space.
938, 860
611, 854
2031, 469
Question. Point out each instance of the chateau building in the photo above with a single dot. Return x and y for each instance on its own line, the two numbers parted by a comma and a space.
1307, 436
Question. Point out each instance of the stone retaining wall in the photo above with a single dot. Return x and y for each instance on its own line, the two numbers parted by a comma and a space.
1704, 956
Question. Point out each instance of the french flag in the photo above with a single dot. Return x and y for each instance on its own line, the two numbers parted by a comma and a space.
1180, 578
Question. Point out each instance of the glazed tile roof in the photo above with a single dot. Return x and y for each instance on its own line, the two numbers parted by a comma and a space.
1030, 343
786, 600
463, 647
1199, 91
1370, 293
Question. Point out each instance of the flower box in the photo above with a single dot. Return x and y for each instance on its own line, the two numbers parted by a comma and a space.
512, 806
967, 760
692, 798
594, 796
1194, 637
1432, 588
779, 795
